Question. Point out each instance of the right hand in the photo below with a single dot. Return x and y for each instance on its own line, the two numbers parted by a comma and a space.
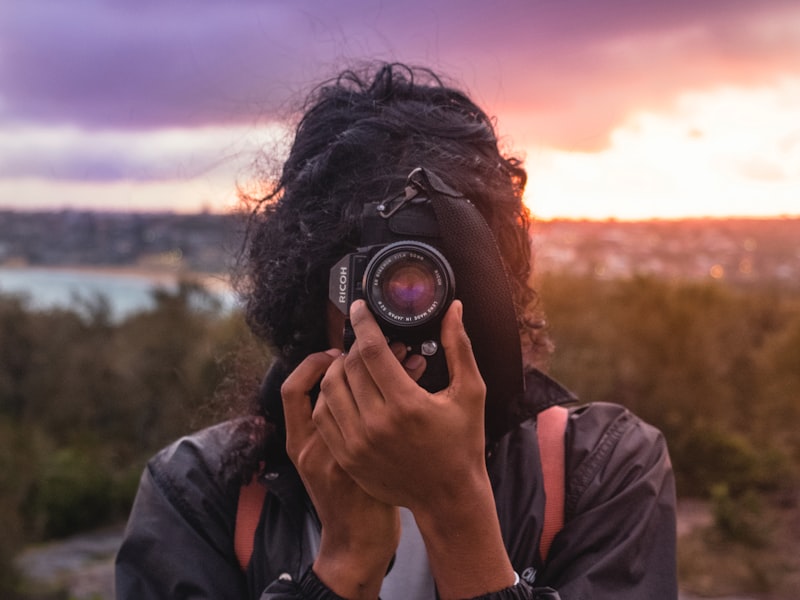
423, 450
403, 444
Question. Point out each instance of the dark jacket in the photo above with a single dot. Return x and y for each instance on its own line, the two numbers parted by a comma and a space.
618, 540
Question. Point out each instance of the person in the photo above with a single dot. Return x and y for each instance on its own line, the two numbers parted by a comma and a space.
378, 481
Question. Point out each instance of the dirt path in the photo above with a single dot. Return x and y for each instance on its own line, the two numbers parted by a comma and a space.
83, 564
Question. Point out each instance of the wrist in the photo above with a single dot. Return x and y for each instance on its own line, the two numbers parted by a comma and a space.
465, 545
352, 571
453, 505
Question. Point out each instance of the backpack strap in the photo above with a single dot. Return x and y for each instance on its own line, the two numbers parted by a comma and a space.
248, 513
551, 425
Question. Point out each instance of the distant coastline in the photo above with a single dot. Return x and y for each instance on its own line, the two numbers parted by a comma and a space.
152, 274
128, 289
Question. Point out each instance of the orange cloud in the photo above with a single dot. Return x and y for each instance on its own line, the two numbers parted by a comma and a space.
574, 101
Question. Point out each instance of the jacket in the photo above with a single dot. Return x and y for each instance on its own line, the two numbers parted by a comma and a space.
618, 539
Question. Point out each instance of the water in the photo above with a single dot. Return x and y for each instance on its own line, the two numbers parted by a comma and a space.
126, 291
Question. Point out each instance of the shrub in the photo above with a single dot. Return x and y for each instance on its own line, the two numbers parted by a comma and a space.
71, 495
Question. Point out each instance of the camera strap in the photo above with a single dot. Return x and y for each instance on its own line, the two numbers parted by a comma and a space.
483, 286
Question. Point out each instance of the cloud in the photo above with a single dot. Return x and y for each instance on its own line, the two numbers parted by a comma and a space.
173, 196
576, 101
718, 153
141, 64
160, 92
67, 153
152, 64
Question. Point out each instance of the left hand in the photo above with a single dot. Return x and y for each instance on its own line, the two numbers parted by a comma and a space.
359, 533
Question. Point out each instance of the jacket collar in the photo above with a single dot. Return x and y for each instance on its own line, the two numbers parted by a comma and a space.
542, 392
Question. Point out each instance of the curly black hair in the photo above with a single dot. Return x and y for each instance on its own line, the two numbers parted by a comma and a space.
359, 137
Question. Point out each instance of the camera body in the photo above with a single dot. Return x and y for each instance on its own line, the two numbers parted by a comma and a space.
407, 282
410, 247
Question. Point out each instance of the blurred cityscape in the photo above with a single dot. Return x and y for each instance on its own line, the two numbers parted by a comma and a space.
202, 242
736, 250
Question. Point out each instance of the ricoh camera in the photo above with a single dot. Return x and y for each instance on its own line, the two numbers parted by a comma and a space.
412, 248
403, 275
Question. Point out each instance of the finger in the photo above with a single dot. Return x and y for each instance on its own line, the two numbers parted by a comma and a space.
374, 352
296, 393
329, 430
365, 391
400, 350
337, 401
458, 349
414, 364
324, 422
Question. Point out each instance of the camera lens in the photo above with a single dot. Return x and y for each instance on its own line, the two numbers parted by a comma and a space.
408, 283
408, 289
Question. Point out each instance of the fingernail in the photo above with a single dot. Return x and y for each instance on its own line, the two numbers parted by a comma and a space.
459, 309
334, 352
356, 306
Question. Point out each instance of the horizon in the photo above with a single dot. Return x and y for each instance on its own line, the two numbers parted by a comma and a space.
619, 111
534, 219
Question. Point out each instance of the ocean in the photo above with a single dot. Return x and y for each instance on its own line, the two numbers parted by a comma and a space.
126, 290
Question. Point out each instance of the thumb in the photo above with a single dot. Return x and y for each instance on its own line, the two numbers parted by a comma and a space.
461, 362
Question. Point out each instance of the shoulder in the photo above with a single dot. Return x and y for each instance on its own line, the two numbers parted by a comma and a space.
190, 472
203, 449
180, 530
598, 428
608, 449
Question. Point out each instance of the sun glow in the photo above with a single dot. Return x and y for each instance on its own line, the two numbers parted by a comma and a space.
727, 152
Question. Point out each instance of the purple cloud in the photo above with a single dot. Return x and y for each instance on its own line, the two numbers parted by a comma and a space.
151, 64
562, 73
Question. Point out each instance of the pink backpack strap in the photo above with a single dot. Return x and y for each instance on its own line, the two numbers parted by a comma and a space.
551, 425
248, 513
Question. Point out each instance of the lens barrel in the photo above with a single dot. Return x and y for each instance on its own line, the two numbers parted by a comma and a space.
408, 284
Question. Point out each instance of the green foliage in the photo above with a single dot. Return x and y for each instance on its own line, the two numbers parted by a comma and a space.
728, 458
84, 401
72, 493
714, 367
738, 519
15, 450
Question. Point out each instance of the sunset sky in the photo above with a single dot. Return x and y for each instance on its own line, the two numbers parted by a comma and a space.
622, 108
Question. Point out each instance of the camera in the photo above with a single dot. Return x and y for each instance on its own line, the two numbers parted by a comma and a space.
401, 272
407, 285
411, 248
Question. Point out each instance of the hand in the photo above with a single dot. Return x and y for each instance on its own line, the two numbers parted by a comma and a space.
407, 446
359, 533
403, 444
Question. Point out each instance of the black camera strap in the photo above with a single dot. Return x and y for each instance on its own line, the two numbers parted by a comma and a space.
483, 286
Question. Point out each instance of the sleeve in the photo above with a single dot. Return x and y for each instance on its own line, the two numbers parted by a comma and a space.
521, 591
311, 588
619, 538
178, 541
